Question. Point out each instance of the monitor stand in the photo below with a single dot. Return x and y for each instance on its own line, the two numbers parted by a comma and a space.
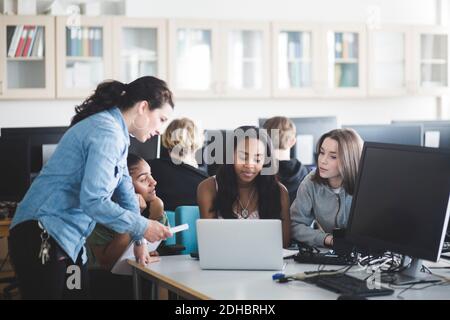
412, 274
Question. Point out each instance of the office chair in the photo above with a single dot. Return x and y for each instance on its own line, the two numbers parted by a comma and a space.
170, 246
187, 238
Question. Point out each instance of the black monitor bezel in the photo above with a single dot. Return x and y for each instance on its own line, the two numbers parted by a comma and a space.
376, 245
385, 126
25, 175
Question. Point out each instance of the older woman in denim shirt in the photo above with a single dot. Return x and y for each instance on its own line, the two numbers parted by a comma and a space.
87, 181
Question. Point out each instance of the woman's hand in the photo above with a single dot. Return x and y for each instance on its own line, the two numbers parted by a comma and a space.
142, 255
156, 231
142, 203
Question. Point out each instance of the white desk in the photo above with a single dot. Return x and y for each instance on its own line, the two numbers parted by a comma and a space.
183, 276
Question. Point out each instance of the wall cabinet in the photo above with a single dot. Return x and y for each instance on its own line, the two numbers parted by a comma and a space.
27, 57
83, 55
219, 59
139, 48
318, 61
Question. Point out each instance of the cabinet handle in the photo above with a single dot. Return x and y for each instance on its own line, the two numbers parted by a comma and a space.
1, 87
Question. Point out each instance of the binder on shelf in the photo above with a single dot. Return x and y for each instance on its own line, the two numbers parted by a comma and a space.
91, 42
78, 41
15, 41
37, 39
9, 35
338, 46
69, 41
28, 41
33, 41
98, 51
41, 44
22, 40
85, 43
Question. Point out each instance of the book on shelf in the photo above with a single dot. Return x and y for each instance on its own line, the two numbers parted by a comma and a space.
32, 42
338, 45
15, 41
36, 43
22, 41
28, 40
41, 43
85, 43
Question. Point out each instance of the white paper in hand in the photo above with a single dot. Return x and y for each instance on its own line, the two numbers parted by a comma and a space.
122, 267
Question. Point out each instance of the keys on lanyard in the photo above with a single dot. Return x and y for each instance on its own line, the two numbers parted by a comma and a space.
44, 254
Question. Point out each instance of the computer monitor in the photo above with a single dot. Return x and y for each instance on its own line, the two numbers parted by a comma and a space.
401, 207
390, 133
309, 131
14, 168
436, 133
42, 142
148, 150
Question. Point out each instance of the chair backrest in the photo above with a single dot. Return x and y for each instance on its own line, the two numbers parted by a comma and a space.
187, 238
171, 218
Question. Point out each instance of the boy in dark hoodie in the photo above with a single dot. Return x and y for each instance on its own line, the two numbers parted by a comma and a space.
291, 171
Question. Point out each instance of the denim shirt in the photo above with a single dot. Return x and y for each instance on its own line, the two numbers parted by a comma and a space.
76, 187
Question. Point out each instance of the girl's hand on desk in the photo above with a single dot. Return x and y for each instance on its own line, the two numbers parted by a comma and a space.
142, 255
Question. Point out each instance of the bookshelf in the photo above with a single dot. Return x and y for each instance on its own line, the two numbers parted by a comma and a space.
219, 59
27, 48
83, 55
246, 59
390, 63
346, 60
296, 66
431, 65
226, 59
139, 48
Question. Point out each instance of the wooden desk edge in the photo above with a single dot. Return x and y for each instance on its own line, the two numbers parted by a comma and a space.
171, 284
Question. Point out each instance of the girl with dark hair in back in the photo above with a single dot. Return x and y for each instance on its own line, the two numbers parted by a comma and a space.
242, 189
87, 181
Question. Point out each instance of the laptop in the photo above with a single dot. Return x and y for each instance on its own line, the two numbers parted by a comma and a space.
240, 244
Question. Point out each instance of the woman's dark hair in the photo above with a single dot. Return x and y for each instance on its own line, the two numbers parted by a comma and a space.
117, 94
267, 186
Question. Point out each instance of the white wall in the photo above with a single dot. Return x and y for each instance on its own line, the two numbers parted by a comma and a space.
228, 114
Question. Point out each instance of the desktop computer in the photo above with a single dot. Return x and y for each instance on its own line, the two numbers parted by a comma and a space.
436, 133
148, 150
408, 134
401, 204
309, 131
15, 177
24, 151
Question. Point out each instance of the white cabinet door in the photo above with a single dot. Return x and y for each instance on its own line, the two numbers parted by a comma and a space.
84, 55
296, 60
194, 58
431, 61
389, 63
245, 59
139, 47
27, 56
345, 61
